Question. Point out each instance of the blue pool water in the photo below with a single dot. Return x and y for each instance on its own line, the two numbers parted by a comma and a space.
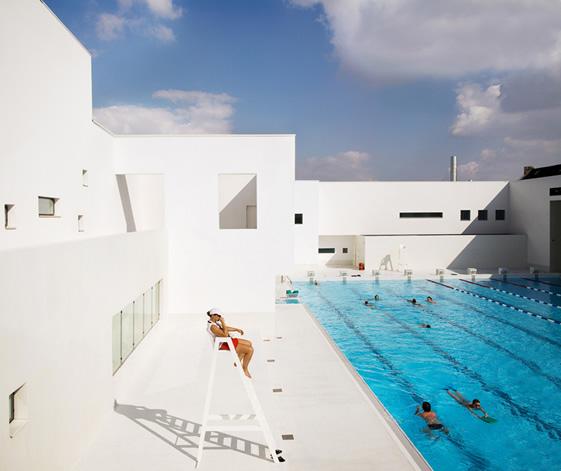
497, 341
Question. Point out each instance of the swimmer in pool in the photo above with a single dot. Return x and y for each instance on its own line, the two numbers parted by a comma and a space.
429, 416
425, 326
414, 302
376, 298
472, 406
430, 300
369, 304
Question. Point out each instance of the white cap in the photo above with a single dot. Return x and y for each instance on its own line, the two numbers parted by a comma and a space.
214, 310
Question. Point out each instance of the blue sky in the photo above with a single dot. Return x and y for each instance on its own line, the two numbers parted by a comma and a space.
370, 93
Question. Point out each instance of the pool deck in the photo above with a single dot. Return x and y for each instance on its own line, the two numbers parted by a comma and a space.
336, 422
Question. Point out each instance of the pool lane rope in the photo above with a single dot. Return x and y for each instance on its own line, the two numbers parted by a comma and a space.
543, 282
539, 290
510, 293
500, 303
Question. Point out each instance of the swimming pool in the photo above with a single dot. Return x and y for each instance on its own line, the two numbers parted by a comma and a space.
497, 341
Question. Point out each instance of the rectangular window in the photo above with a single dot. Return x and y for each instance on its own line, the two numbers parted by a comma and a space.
298, 218
47, 206
420, 215
465, 215
499, 214
482, 215
327, 250
80, 223
555, 191
237, 201
9, 216
345, 250
84, 177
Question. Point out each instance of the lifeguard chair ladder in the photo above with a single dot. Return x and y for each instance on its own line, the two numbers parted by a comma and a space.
243, 422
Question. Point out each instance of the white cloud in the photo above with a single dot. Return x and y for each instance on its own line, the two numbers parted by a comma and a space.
468, 171
408, 39
349, 165
162, 33
196, 112
109, 26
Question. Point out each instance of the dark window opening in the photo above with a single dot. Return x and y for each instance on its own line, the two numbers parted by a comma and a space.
420, 215
298, 218
329, 250
499, 214
465, 215
47, 206
345, 250
12, 407
555, 191
482, 215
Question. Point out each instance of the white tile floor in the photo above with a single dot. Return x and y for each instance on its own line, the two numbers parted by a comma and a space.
161, 388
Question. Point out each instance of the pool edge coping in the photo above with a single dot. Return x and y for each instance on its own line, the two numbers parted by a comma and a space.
412, 453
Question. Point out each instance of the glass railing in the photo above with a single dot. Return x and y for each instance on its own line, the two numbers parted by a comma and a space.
133, 322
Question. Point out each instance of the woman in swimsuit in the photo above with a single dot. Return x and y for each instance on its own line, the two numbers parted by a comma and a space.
218, 328
472, 406
430, 417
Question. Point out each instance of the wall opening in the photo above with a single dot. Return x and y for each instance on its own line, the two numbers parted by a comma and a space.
9, 216
237, 201
555, 236
85, 178
298, 218
18, 410
81, 223
47, 206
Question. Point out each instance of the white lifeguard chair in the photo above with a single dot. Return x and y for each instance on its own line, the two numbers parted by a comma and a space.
233, 422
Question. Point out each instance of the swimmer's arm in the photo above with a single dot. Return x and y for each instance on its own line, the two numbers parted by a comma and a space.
484, 411
457, 397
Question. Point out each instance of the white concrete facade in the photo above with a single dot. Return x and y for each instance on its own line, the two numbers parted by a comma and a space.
150, 208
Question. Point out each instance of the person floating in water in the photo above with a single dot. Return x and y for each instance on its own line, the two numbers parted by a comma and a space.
414, 302
429, 416
472, 406
425, 326
376, 298
430, 300
369, 304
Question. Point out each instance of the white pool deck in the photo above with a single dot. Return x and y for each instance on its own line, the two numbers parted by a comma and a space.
160, 392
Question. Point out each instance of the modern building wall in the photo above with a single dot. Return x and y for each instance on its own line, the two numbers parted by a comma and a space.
444, 251
306, 193
234, 269
48, 137
56, 309
530, 201
353, 208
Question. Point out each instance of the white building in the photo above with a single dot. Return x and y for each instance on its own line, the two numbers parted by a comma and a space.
96, 226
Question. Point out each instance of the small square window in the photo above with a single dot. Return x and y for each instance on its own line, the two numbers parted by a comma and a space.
298, 218
345, 250
500, 214
465, 215
482, 215
47, 206
81, 223
84, 177
9, 216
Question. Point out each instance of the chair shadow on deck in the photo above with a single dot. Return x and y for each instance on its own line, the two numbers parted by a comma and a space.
179, 433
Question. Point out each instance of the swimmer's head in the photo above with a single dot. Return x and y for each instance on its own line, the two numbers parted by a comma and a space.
429, 298
376, 297
366, 303
428, 326
476, 404
414, 301
426, 406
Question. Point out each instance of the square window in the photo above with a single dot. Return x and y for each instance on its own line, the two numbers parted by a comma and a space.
345, 250
81, 223
237, 201
500, 214
84, 177
465, 215
47, 206
482, 215
298, 218
9, 216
